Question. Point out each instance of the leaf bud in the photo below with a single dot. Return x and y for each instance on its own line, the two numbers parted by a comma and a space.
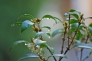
38, 20
36, 29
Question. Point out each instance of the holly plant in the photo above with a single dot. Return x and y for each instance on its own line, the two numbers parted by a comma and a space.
74, 31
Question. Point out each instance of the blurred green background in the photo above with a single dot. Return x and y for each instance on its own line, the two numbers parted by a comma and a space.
10, 10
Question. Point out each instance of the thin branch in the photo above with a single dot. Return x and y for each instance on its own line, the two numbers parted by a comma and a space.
68, 48
86, 58
69, 30
81, 54
76, 53
63, 40
42, 58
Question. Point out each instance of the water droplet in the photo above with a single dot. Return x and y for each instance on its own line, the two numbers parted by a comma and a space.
48, 30
12, 25
49, 37
26, 44
47, 18
35, 39
42, 19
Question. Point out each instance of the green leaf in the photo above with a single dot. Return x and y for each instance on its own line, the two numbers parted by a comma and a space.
16, 43
56, 32
31, 55
58, 55
16, 23
90, 52
48, 34
75, 15
25, 25
26, 16
72, 10
41, 33
73, 21
79, 35
90, 29
52, 17
90, 24
38, 42
74, 26
51, 49
46, 27
83, 45
43, 45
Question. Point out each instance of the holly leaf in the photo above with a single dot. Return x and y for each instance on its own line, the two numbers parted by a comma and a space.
25, 25
31, 55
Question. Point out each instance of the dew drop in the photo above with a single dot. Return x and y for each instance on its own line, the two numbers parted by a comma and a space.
47, 18
35, 39
48, 30
49, 37
12, 25
25, 43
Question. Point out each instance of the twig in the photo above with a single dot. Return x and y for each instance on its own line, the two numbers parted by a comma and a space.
42, 58
63, 40
68, 48
86, 58
83, 49
69, 30
81, 54
76, 54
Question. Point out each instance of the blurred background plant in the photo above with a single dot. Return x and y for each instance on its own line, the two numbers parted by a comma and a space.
10, 10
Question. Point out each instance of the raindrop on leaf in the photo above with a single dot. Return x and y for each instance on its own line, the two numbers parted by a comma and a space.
48, 30
26, 44
47, 18
49, 37
12, 25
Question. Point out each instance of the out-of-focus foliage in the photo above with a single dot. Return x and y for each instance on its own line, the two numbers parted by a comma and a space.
10, 10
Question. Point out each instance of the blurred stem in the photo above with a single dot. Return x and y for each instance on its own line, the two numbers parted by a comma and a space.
86, 58
42, 58
83, 49
69, 30
63, 40
68, 48
81, 54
